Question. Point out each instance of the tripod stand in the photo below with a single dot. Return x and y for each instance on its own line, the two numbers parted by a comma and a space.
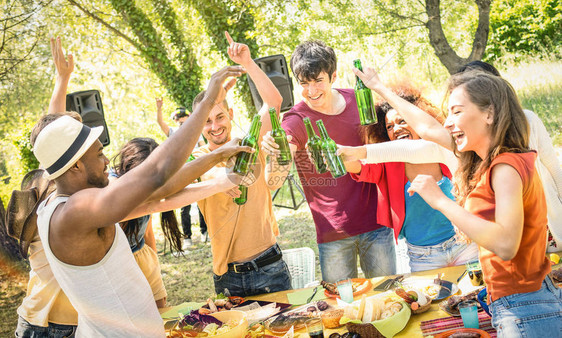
292, 184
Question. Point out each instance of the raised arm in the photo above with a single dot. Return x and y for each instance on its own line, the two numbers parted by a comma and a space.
163, 125
188, 195
64, 66
410, 151
424, 124
114, 202
240, 53
194, 169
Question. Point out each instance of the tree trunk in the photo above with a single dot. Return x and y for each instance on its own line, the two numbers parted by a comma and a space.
438, 41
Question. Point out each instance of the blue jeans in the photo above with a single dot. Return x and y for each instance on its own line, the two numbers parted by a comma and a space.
531, 314
270, 278
27, 330
338, 259
448, 253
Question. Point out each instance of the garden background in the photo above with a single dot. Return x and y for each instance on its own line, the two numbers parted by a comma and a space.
134, 51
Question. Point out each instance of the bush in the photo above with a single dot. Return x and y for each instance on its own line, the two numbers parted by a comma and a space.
524, 28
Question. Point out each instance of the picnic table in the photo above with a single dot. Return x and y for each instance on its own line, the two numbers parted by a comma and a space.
413, 328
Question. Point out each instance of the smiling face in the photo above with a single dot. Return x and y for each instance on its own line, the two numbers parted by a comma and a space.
397, 128
317, 92
469, 125
218, 127
95, 164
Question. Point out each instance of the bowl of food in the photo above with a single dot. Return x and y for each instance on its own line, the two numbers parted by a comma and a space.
386, 312
394, 322
220, 324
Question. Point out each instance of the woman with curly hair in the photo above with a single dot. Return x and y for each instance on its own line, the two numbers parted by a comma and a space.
430, 236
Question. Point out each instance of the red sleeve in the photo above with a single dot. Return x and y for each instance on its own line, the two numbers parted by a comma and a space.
371, 173
293, 125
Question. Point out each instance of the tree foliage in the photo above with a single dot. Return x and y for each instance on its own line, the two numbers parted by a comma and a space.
525, 27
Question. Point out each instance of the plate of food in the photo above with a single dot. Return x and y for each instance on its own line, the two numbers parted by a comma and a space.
463, 332
296, 318
219, 324
451, 305
435, 289
358, 285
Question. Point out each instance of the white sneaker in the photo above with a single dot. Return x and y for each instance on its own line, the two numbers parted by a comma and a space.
187, 244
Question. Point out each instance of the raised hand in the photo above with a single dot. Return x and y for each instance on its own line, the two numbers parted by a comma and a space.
370, 77
159, 104
238, 52
217, 89
352, 153
231, 148
64, 65
269, 147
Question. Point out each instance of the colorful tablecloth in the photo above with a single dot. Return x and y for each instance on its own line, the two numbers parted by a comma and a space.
435, 326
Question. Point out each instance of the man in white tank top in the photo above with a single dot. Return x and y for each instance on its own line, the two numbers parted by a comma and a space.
88, 253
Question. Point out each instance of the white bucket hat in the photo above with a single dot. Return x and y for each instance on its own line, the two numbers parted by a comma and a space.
62, 143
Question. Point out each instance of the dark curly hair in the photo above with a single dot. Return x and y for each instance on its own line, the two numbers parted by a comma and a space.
310, 58
376, 133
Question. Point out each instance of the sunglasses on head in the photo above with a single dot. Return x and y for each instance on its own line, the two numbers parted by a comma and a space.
180, 112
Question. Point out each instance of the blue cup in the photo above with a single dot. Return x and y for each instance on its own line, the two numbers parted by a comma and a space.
469, 314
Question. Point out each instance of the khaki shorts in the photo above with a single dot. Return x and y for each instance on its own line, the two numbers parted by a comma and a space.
147, 260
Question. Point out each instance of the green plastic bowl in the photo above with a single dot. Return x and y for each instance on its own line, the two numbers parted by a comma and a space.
390, 326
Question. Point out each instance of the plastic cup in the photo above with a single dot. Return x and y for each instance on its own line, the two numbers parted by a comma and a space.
474, 271
469, 314
345, 289
315, 328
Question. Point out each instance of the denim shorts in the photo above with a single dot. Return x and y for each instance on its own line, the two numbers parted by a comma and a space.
449, 253
27, 330
266, 279
375, 249
530, 314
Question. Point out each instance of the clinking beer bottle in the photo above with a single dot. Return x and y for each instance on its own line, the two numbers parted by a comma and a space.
364, 99
243, 196
314, 145
245, 160
335, 162
280, 137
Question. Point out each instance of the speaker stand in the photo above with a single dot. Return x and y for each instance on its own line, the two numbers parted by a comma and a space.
292, 184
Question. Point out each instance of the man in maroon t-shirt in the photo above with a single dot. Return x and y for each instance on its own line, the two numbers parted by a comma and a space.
344, 211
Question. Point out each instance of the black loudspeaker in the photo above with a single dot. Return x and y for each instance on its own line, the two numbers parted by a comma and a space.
275, 66
87, 103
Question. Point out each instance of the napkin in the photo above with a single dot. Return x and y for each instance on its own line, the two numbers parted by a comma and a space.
183, 308
301, 296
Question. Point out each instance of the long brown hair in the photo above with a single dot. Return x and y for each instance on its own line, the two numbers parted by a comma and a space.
376, 133
131, 155
509, 129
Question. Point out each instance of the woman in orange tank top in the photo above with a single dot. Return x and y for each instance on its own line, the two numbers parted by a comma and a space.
502, 204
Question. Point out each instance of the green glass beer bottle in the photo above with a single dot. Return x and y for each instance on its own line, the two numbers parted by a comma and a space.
243, 196
314, 145
244, 160
364, 99
280, 137
335, 162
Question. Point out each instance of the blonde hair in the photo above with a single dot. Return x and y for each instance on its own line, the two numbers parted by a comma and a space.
509, 129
